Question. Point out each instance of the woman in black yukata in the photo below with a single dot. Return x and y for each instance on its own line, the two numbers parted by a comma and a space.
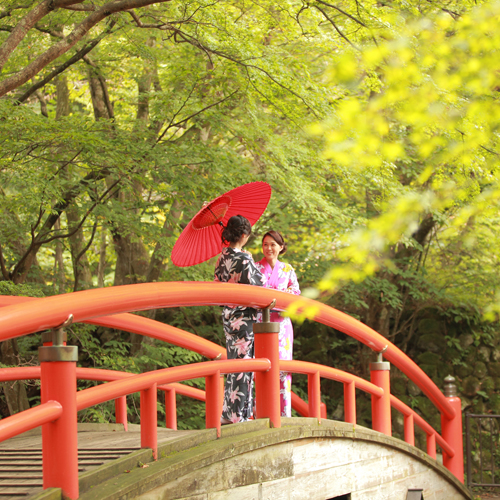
237, 266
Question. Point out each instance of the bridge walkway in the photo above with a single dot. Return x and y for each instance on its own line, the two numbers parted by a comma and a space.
104, 446
305, 458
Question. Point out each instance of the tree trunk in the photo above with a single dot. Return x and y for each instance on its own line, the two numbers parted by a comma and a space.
379, 314
59, 274
15, 392
81, 269
103, 109
101, 269
132, 259
157, 264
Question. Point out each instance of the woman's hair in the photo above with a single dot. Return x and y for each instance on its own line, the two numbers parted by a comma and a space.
235, 228
277, 238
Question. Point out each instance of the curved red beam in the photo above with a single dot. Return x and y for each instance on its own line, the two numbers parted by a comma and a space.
100, 375
112, 390
97, 374
145, 326
90, 304
427, 428
29, 419
307, 368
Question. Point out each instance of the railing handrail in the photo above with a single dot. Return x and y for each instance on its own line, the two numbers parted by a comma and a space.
47, 412
111, 306
117, 388
425, 426
86, 305
128, 384
308, 368
144, 326
29, 419
98, 375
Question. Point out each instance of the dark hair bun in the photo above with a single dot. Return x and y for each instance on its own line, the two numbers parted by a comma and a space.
276, 236
235, 228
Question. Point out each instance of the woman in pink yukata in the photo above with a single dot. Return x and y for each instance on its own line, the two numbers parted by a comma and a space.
282, 277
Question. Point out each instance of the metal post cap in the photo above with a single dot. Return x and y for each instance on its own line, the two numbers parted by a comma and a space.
380, 366
267, 327
450, 388
57, 353
47, 336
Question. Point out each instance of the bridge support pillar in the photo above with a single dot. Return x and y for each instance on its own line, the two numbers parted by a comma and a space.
451, 430
60, 437
267, 384
381, 406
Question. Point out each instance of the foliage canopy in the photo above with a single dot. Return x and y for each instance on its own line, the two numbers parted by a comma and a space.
376, 124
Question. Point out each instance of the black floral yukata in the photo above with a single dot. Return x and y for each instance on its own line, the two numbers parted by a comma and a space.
236, 266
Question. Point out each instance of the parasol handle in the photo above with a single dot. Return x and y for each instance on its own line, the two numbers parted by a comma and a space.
215, 217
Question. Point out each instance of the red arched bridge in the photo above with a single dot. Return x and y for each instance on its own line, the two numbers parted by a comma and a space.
110, 307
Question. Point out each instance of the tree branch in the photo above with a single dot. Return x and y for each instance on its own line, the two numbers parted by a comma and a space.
8, 12
20, 30
332, 22
24, 264
81, 8
43, 104
64, 45
55, 34
177, 112
57, 71
105, 93
356, 20
196, 43
195, 114
76, 228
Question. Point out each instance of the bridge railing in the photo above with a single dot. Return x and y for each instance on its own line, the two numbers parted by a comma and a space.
59, 469
50, 411
95, 306
350, 382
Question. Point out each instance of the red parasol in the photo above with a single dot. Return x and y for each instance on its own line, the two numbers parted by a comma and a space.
201, 238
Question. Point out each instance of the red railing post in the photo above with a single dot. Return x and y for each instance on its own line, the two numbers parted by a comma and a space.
60, 437
381, 406
350, 402
451, 430
213, 402
267, 384
171, 409
431, 445
323, 410
314, 390
121, 412
149, 420
409, 429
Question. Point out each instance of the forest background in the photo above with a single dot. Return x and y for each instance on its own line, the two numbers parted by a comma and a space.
375, 122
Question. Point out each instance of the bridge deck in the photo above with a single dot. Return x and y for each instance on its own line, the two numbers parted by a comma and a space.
304, 458
98, 444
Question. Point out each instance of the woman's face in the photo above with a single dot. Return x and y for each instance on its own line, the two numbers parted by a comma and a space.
270, 248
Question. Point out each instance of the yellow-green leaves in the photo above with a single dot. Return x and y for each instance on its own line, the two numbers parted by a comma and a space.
421, 108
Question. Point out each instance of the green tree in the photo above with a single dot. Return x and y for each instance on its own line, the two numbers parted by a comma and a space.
118, 119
